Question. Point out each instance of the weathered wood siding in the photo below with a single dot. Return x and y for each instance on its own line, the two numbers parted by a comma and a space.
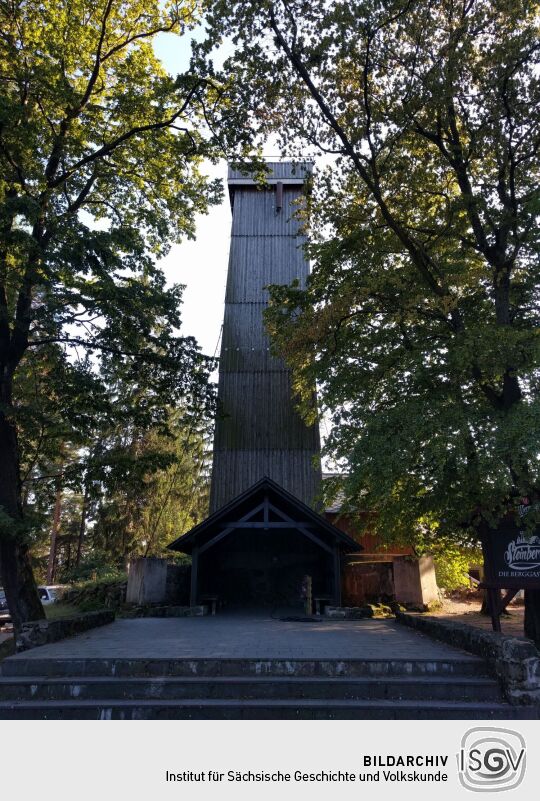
261, 433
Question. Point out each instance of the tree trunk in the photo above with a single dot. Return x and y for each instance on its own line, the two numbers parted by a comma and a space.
19, 583
54, 532
15, 568
484, 609
82, 526
532, 616
67, 564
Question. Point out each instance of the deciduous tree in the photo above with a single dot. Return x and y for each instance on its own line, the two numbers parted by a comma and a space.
420, 321
100, 156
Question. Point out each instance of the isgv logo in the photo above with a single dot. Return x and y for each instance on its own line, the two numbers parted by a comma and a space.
491, 759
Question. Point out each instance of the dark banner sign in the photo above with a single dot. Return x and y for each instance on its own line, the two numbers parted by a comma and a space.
512, 554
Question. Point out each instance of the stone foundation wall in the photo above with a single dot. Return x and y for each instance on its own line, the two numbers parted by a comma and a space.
152, 580
358, 612
414, 580
41, 632
515, 662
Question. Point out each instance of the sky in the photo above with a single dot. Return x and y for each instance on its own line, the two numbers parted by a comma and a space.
201, 264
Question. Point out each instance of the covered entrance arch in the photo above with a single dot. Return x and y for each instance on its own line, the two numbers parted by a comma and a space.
256, 550
265, 567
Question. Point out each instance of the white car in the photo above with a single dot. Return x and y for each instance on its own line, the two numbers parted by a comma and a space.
4, 611
50, 594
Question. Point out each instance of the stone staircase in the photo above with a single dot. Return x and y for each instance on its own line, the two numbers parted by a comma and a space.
37, 688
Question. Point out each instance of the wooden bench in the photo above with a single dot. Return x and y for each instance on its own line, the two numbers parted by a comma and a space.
322, 601
213, 600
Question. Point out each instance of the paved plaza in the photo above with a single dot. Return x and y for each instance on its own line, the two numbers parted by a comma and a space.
231, 636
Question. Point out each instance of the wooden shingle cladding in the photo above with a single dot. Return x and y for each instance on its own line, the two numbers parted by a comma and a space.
259, 432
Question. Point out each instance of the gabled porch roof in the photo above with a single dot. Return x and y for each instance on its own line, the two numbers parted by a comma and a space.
268, 506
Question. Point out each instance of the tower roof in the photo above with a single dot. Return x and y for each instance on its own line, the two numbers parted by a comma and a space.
288, 173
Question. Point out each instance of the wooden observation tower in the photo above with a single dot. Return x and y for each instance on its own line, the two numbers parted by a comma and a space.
262, 537
259, 433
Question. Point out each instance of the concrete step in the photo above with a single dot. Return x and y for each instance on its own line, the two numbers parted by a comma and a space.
310, 709
458, 688
31, 666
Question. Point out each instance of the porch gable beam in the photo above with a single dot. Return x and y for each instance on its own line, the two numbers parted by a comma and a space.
302, 528
230, 529
269, 524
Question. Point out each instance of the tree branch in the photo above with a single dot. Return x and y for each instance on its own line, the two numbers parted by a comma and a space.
420, 258
125, 137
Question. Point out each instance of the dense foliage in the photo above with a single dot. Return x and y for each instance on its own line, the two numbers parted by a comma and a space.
420, 322
100, 171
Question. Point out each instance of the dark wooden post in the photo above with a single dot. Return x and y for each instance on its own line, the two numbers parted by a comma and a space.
494, 596
194, 576
337, 577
